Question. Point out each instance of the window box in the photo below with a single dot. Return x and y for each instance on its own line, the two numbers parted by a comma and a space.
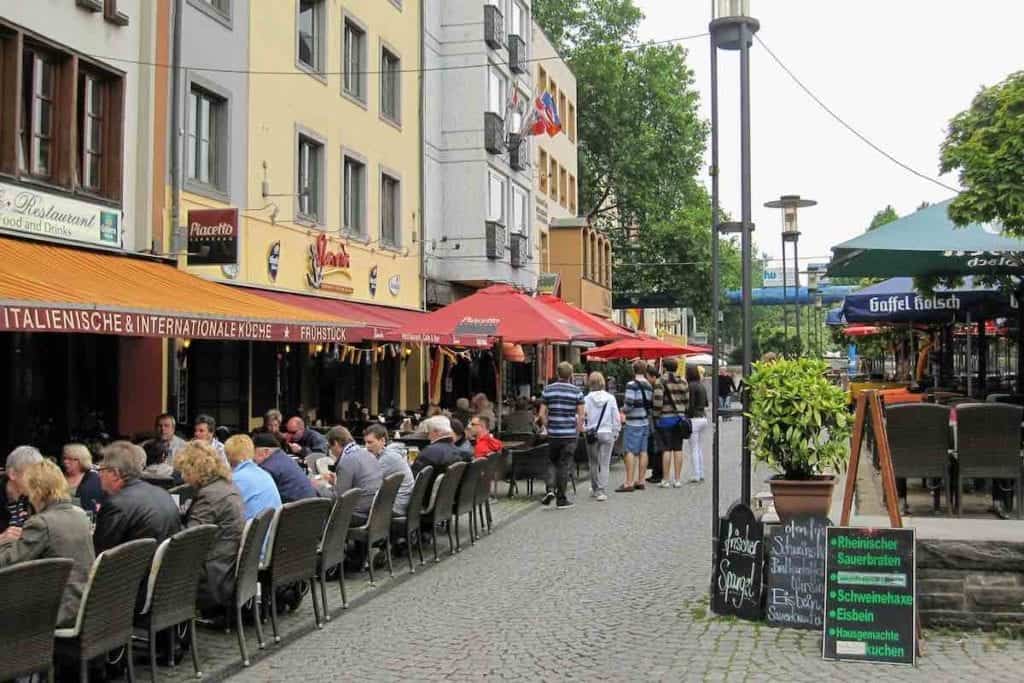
516, 54
519, 251
494, 133
518, 152
495, 237
494, 27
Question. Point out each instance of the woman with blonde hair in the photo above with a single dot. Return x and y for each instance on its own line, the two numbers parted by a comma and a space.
216, 501
601, 426
57, 529
83, 481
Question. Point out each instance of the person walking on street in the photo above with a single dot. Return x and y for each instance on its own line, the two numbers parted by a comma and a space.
561, 411
726, 388
601, 429
636, 412
698, 404
671, 400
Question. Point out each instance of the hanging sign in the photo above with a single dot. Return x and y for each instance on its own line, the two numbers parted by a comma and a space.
45, 215
795, 595
870, 593
273, 260
373, 281
739, 561
324, 263
212, 237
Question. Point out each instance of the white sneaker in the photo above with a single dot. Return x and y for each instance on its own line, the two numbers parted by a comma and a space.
601, 498
665, 483
677, 484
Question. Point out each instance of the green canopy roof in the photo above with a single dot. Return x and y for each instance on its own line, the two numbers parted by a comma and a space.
928, 243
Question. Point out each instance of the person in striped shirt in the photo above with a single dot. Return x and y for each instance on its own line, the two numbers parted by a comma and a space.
561, 411
636, 413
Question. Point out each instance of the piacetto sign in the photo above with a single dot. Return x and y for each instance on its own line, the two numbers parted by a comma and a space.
212, 237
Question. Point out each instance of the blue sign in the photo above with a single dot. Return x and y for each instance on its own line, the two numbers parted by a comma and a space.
851, 355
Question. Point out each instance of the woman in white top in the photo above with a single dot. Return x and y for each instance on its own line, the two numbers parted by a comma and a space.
602, 416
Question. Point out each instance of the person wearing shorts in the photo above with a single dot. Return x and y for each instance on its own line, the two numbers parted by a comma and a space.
636, 414
671, 400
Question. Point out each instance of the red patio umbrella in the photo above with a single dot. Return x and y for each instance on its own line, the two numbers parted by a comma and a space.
643, 346
861, 330
603, 330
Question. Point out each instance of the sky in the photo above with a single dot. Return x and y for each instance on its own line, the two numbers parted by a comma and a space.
897, 71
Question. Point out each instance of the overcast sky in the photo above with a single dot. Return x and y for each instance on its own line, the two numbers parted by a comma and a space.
895, 70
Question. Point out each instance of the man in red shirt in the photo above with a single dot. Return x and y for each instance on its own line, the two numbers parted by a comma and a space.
484, 441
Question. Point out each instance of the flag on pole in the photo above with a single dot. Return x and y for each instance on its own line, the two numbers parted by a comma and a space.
543, 118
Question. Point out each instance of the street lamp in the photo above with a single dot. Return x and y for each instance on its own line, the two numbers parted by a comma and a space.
790, 203
732, 28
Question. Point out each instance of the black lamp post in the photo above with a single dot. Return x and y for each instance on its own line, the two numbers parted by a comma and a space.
789, 203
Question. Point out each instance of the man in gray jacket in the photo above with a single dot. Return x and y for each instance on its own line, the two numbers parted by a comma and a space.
392, 461
356, 469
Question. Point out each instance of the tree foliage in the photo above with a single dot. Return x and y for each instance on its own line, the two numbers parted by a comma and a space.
886, 215
985, 144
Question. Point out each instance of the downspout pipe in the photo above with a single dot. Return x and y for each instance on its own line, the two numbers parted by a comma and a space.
175, 149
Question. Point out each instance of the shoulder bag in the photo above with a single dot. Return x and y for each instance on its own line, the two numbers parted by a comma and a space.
676, 421
591, 433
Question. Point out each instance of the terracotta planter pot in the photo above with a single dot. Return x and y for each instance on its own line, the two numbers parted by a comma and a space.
803, 497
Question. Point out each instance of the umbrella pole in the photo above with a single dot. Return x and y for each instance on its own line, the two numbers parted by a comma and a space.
499, 360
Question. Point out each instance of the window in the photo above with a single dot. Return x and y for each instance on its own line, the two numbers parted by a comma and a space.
517, 21
543, 252
520, 207
518, 112
543, 172
310, 177
206, 148
553, 178
553, 89
390, 85
39, 74
355, 61
496, 88
563, 186
496, 198
223, 7
542, 79
570, 120
572, 194
311, 34
92, 112
561, 107
390, 210
354, 210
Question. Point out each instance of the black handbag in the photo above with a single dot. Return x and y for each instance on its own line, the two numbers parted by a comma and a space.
683, 424
591, 434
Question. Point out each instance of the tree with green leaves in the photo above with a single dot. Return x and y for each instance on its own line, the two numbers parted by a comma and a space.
886, 215
985, 145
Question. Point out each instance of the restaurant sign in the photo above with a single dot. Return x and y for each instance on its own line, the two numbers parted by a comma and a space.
150, 324
42, 214
212, 237
324, 263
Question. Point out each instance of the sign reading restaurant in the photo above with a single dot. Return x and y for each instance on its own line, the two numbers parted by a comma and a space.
138, 324
41, 214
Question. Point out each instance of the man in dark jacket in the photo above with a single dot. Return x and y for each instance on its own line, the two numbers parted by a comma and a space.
304, 442
134, 509
442, 450
292, 483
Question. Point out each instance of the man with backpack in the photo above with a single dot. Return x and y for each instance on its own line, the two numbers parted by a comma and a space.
637, 408
671, 400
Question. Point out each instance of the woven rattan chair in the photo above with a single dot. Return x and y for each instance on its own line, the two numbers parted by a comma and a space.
30, 593
465, 500
920, 441
246, 584
377, 530
172, 587
482, 500
441, 507
331, 551
291, 555
989, 446
407, 526
108, 606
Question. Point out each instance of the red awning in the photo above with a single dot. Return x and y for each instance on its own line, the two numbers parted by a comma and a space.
643, 346
373, 322
602, 330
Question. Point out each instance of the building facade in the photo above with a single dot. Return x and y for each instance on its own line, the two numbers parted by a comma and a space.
582, 257
478, 169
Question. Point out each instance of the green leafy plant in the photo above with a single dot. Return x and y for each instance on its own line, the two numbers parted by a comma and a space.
799, 424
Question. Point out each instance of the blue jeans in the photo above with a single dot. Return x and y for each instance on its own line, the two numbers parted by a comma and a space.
634, 438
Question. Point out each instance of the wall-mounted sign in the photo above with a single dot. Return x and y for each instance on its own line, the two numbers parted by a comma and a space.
373, 281
273, 260
324, 263
212, 237
46, 215
395, 284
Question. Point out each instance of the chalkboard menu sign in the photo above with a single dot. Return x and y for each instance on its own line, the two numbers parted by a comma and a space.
795, 595
739, 561
869, 598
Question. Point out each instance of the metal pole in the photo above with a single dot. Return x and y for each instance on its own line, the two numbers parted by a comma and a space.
967, 358
785, 302
796, 279
746, 248
715, 304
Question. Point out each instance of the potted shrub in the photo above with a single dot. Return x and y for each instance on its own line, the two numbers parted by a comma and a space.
800, 427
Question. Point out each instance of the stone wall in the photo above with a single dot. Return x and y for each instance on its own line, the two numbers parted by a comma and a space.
971, 584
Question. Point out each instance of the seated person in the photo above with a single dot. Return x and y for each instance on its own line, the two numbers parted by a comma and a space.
462, 412
433, 410
464, 445
521, 420
165, 432
83, 480
302, 441
272, 420
216, 501
356, 469
484, 442
134, 509
14, 505
256, 486
392, 461
57, 529
292, 483
442, 451
157, 460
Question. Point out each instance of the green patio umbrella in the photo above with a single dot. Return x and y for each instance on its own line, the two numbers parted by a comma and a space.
928, 243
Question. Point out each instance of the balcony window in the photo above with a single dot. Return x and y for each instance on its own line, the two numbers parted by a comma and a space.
497, 86
496, 184
520, 210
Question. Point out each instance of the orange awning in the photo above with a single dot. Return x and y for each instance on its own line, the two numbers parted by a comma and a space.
49, 288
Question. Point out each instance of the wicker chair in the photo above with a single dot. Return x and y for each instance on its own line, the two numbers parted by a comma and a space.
108, 606
377, 530
172, 587
465, 500
920, 441
529, 464
482, 500
407, 526
331, 550
291, 555
30, 593
989, 446
246, 585
440, 510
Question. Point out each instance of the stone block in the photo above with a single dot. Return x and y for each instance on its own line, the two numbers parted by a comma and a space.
994, 580
984, 556
986, 621
949, 574
931, 586
996, 599
941, 601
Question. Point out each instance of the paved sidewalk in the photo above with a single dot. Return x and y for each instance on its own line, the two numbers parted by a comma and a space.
608, 591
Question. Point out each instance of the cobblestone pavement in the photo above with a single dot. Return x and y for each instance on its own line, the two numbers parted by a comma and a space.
609, 591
